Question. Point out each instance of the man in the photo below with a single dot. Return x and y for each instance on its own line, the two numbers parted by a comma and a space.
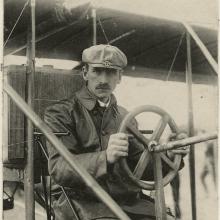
209, 165
92, 118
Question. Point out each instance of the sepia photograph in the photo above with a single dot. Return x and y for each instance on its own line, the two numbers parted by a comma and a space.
109, 110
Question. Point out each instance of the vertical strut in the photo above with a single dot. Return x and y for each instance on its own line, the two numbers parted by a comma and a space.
160, 209
191, 127
1, 108
94, 26
29, 167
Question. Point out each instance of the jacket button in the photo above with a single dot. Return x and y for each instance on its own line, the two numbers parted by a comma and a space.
104, 132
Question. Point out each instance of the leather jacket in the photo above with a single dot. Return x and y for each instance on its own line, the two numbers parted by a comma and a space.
88, 146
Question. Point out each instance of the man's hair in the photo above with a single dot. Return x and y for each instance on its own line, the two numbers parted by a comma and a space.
79, 66
85, 65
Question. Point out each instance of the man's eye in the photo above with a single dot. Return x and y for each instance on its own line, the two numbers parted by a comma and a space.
112, 71
96, 70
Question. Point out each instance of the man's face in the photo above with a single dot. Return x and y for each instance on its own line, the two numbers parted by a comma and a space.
101, 81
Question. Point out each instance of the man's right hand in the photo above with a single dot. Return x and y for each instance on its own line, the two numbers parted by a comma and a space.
117, 147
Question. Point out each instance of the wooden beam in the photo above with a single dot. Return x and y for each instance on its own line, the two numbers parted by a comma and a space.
64, 152
29, 128
1, 108
203, 48
94, 26
191, 128
43, 36
5, 119
160, 209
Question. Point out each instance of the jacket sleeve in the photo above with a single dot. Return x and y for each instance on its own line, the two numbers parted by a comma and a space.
59, 119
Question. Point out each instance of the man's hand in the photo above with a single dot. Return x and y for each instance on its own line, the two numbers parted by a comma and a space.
117, 147
182, 150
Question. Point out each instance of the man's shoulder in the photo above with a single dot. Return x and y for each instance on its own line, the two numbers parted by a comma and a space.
62, 105
59, 115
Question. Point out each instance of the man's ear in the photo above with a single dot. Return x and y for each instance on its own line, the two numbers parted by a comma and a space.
84, 73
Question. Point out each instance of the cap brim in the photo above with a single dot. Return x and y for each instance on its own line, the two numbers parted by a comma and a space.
104, 66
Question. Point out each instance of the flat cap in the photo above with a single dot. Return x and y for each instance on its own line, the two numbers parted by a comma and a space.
106, 56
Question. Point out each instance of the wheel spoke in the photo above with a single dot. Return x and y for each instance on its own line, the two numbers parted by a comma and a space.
147, 156
168, 161
142, 164
173, 126
160, 128
137, 134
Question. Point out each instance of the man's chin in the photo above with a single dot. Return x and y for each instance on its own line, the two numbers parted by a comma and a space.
103, 95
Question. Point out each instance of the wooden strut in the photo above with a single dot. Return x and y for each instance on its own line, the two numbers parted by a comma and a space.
60, 147
94, 26
45, 35
189, 83
29, 128
2, 113
203, 48
160, 208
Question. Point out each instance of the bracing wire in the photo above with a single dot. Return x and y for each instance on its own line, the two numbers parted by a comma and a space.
53, 32
25, 5
174, 58
103, 31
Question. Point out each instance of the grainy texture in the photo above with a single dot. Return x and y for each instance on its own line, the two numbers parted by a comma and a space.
51, 85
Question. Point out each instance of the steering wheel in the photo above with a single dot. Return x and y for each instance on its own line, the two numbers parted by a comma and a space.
145, 157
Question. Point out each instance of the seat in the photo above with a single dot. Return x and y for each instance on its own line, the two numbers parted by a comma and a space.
43, 191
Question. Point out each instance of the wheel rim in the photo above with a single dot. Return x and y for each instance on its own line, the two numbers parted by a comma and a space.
125, 126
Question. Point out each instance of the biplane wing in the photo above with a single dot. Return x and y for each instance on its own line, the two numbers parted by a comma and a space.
155, 47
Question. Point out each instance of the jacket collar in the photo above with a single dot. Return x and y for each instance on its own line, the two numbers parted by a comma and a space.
88, 100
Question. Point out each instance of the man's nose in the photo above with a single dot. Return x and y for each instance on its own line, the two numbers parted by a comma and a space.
103, 77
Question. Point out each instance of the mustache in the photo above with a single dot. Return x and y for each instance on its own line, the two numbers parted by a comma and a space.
103, 86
